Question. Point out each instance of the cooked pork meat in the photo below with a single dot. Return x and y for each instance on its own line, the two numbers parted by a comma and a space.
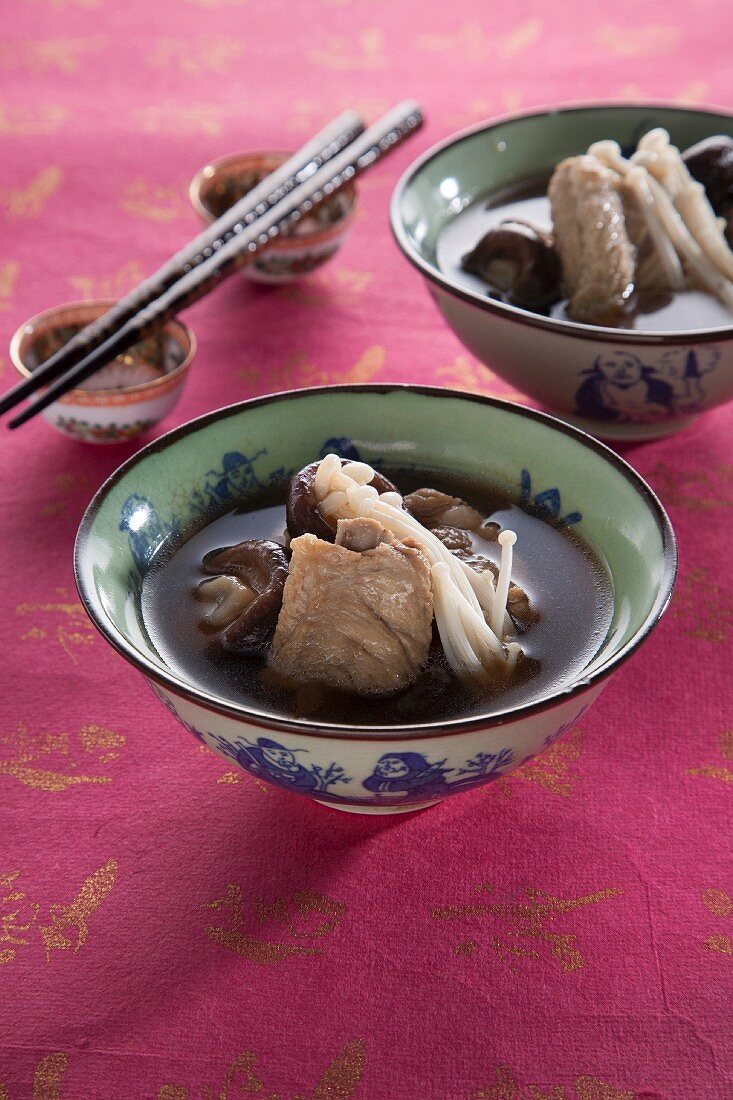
361, 534
357, 621
590, 229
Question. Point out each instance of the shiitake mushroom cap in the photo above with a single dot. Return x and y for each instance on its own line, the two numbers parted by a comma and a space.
520, 261
263, 566
710, 162
302, 511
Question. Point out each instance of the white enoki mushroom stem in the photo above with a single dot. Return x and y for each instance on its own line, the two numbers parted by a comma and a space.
609, 154
506, 541
463, 597
712, 276
664, 161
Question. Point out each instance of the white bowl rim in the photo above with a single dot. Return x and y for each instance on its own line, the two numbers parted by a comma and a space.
598, 333
405, 731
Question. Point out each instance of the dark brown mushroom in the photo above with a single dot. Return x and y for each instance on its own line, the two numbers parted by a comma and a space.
711, 163
435, 509
246, 591
302, 511
520, 261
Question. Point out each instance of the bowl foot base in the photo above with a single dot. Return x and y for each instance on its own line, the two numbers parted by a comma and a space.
630, 433
412, 808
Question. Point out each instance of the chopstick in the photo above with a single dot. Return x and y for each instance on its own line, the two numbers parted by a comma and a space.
296, 170
378, 140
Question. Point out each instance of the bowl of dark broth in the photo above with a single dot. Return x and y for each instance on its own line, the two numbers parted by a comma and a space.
233, 563
584, 254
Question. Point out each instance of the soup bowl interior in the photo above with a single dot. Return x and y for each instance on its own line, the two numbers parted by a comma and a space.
229, 458
545, 357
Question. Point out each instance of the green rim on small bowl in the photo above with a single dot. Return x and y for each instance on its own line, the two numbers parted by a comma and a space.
400, 423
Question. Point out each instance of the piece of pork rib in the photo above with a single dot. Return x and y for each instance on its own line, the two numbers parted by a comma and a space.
598, 258
358, 621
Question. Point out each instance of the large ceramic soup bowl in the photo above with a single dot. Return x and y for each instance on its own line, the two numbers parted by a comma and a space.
576, 490
618, 383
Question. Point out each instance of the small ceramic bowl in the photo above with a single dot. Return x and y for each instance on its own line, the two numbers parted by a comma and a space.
231, 456
121, 400
296, 253
659, 381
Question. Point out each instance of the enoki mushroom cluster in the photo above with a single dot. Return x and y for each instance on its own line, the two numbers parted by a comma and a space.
470, 608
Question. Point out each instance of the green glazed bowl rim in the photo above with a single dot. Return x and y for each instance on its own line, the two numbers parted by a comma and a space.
405, 731
516, 313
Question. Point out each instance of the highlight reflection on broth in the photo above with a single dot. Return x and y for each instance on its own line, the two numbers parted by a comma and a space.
379, 604
628, 242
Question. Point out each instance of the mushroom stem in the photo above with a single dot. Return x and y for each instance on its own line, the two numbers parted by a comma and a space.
712, 272
507, 540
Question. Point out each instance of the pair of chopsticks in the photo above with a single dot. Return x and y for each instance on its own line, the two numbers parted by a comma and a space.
335, 156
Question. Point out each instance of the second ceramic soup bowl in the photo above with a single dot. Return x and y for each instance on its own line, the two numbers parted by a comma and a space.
623, 384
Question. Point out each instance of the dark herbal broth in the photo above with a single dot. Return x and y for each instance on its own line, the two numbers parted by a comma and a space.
665, 312
566, 584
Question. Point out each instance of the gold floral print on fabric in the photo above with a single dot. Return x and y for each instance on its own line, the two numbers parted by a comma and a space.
218, 3
526, 929
54, 761
299, 371
720, 904
156, 202
29, 199
311, 115
703, 608
60, 622
66, 928
47, 1078
32, 121
231, 778
698, 490
207, 53
9, 272
331, 286
67, 3
721, 772
553, 770
58, 55
584, 1087
637, 42
697, 91
365, 51
68, 491
185, 120
265, 935
339, 1081
478, 110
108, 286
467, 374
473, 43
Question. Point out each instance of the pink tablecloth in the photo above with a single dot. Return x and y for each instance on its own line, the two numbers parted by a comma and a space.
566, 933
